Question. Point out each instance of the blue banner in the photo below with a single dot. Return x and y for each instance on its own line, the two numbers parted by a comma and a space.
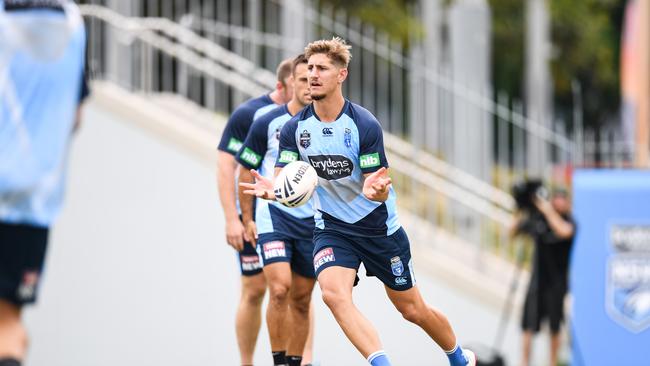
610, 268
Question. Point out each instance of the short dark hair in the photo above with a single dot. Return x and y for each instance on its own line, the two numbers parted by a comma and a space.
284, 70
300, 59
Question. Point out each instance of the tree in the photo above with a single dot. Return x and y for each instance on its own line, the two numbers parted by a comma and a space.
586, 40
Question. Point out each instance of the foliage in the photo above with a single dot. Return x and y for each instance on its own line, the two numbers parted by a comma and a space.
391, 16
585, 36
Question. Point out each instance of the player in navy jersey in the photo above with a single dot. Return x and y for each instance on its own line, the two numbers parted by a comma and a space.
356, 220
283, 235
253, 285
42, 48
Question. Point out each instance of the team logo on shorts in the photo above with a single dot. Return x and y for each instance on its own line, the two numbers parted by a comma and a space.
347, 137
628, 277
324, 256
274, 249
396, 266
305, 139
27, 288
250, 262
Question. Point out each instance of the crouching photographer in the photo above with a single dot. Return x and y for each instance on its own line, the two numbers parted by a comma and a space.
552, 229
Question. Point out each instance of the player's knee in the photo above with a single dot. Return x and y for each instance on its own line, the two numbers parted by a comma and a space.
278, 293
412, 312
301, 303
253, 293
334, 299
16, 339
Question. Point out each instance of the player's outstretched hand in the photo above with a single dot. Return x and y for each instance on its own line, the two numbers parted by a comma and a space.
262, 188
377, 185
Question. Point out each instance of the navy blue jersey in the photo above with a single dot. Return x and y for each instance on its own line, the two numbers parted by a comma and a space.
259, 151
241, 120
238, 125
341, 152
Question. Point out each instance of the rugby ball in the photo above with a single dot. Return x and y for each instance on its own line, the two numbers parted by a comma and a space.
295, 184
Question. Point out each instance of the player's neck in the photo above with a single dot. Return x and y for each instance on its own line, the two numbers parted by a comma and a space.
294, 107
275, 97
329, 108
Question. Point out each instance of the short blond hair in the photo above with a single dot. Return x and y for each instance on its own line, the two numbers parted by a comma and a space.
336, 49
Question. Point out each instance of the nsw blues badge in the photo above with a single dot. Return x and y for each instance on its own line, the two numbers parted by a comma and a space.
305, 139
347, 137
396, 266
628, 276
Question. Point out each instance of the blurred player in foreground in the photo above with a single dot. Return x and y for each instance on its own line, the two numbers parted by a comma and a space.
42, 47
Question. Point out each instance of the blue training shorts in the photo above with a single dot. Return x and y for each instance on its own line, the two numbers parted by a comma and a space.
278, 247
249, 261
387, 258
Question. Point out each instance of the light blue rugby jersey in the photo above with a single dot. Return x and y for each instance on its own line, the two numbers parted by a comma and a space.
42, 61
341, 152
260, 151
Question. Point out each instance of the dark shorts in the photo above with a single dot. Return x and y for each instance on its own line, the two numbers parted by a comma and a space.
546, 303
22, 254
278, 247
249, 260
387, 258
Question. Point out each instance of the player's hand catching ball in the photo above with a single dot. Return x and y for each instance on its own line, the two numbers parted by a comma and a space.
262, 188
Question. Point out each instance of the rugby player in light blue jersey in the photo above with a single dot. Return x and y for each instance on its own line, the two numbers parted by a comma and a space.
356, 220
42, 48
285, 241
253, 286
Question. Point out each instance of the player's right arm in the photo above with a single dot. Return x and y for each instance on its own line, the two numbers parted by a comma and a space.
250, 157
287, 153
231, 141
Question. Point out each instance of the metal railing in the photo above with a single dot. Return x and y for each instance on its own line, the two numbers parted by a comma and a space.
217, 53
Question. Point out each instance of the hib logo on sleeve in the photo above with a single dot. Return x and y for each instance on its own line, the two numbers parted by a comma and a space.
324, 256
288, 156
369, 160
234, 145
274, 249
628, 277
250, 157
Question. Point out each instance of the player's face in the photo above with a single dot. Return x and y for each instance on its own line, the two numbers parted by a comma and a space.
301, 85
325, 78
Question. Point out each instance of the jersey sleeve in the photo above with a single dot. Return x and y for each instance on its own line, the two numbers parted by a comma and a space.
235, 132
255, 145
288, 151
371, 148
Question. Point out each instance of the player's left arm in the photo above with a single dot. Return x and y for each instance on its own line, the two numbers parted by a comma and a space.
372, 161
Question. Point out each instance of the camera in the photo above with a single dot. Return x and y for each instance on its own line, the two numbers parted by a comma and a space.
526, 191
